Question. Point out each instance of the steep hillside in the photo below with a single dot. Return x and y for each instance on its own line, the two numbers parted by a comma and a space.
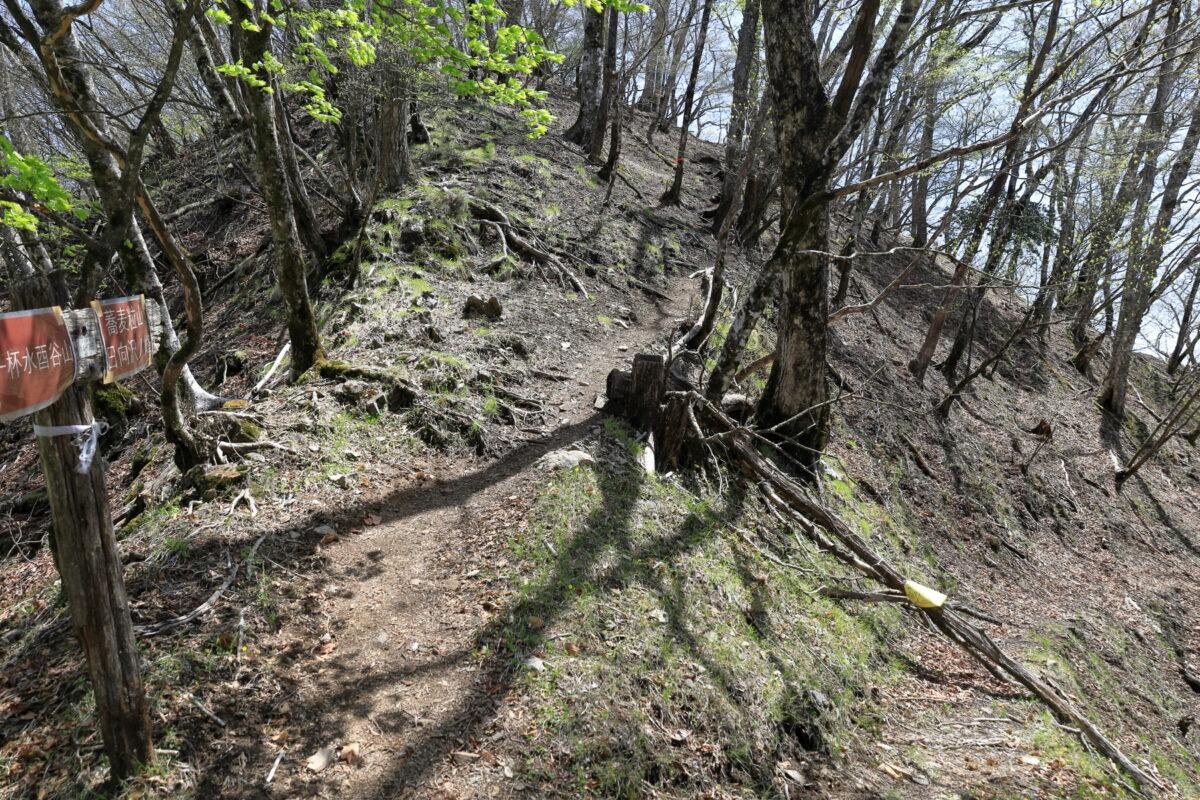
392, 579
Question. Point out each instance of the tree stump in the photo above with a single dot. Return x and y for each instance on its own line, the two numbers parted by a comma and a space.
675, 437
648, 382
617, 391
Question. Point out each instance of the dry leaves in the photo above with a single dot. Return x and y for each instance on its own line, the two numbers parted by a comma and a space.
350, 753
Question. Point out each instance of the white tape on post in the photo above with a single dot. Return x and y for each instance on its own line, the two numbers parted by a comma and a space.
87, 439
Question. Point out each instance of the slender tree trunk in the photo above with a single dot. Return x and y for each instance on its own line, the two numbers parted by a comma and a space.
920, 364
920, 195
652, 84
1185, 340
1141, 273
307, 224
608, 97
235, 87
670, 75
74, 93
214, 82
672, 196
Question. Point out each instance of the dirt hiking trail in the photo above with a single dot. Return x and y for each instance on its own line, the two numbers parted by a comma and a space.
403, 678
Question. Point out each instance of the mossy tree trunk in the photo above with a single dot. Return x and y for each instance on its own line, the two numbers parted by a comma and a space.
739, 112
290, 265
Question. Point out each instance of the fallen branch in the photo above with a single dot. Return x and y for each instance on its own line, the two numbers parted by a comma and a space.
895, 597
812, 515
761, 363
156, 628
917, 455
879, 298
251, 447
258, 387
205, 711
648, 289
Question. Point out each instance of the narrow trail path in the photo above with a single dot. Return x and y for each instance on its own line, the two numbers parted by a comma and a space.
406, 680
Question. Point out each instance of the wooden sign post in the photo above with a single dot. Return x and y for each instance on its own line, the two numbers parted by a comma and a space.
82, 530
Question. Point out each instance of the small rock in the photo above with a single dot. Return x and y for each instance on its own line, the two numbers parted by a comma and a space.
353, 391
565, 459
342, 481
217, 478
320, 759
535, 664
351, 753
477, 306
324, 530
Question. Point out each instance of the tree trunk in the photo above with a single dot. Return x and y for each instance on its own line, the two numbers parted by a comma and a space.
307, 224
608, 97
1184, 340
591, 82
214, 83
670, 74
652, 84
672, 196
920, 195
796, 393
74, 92
289, 261
743, 69
1141, 273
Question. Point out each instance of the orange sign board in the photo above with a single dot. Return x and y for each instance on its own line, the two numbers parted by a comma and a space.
37, 360
125, 332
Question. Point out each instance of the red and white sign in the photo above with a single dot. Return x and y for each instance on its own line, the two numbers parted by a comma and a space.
37, 360
125, 332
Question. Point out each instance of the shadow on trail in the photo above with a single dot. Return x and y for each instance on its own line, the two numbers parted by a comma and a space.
604, 551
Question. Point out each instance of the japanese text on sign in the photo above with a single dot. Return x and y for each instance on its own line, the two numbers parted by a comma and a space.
126, 336
38, 360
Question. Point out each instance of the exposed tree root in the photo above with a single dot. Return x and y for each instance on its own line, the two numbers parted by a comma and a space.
519, 242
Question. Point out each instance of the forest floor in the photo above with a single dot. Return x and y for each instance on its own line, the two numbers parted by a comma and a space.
421, 606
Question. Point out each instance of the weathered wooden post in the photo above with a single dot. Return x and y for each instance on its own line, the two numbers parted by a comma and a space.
86, 553
649, 381
641, 396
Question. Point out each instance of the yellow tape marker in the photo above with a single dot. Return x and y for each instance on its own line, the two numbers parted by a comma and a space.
923, 596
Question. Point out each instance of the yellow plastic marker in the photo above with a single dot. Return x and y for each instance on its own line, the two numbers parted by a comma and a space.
923, 596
